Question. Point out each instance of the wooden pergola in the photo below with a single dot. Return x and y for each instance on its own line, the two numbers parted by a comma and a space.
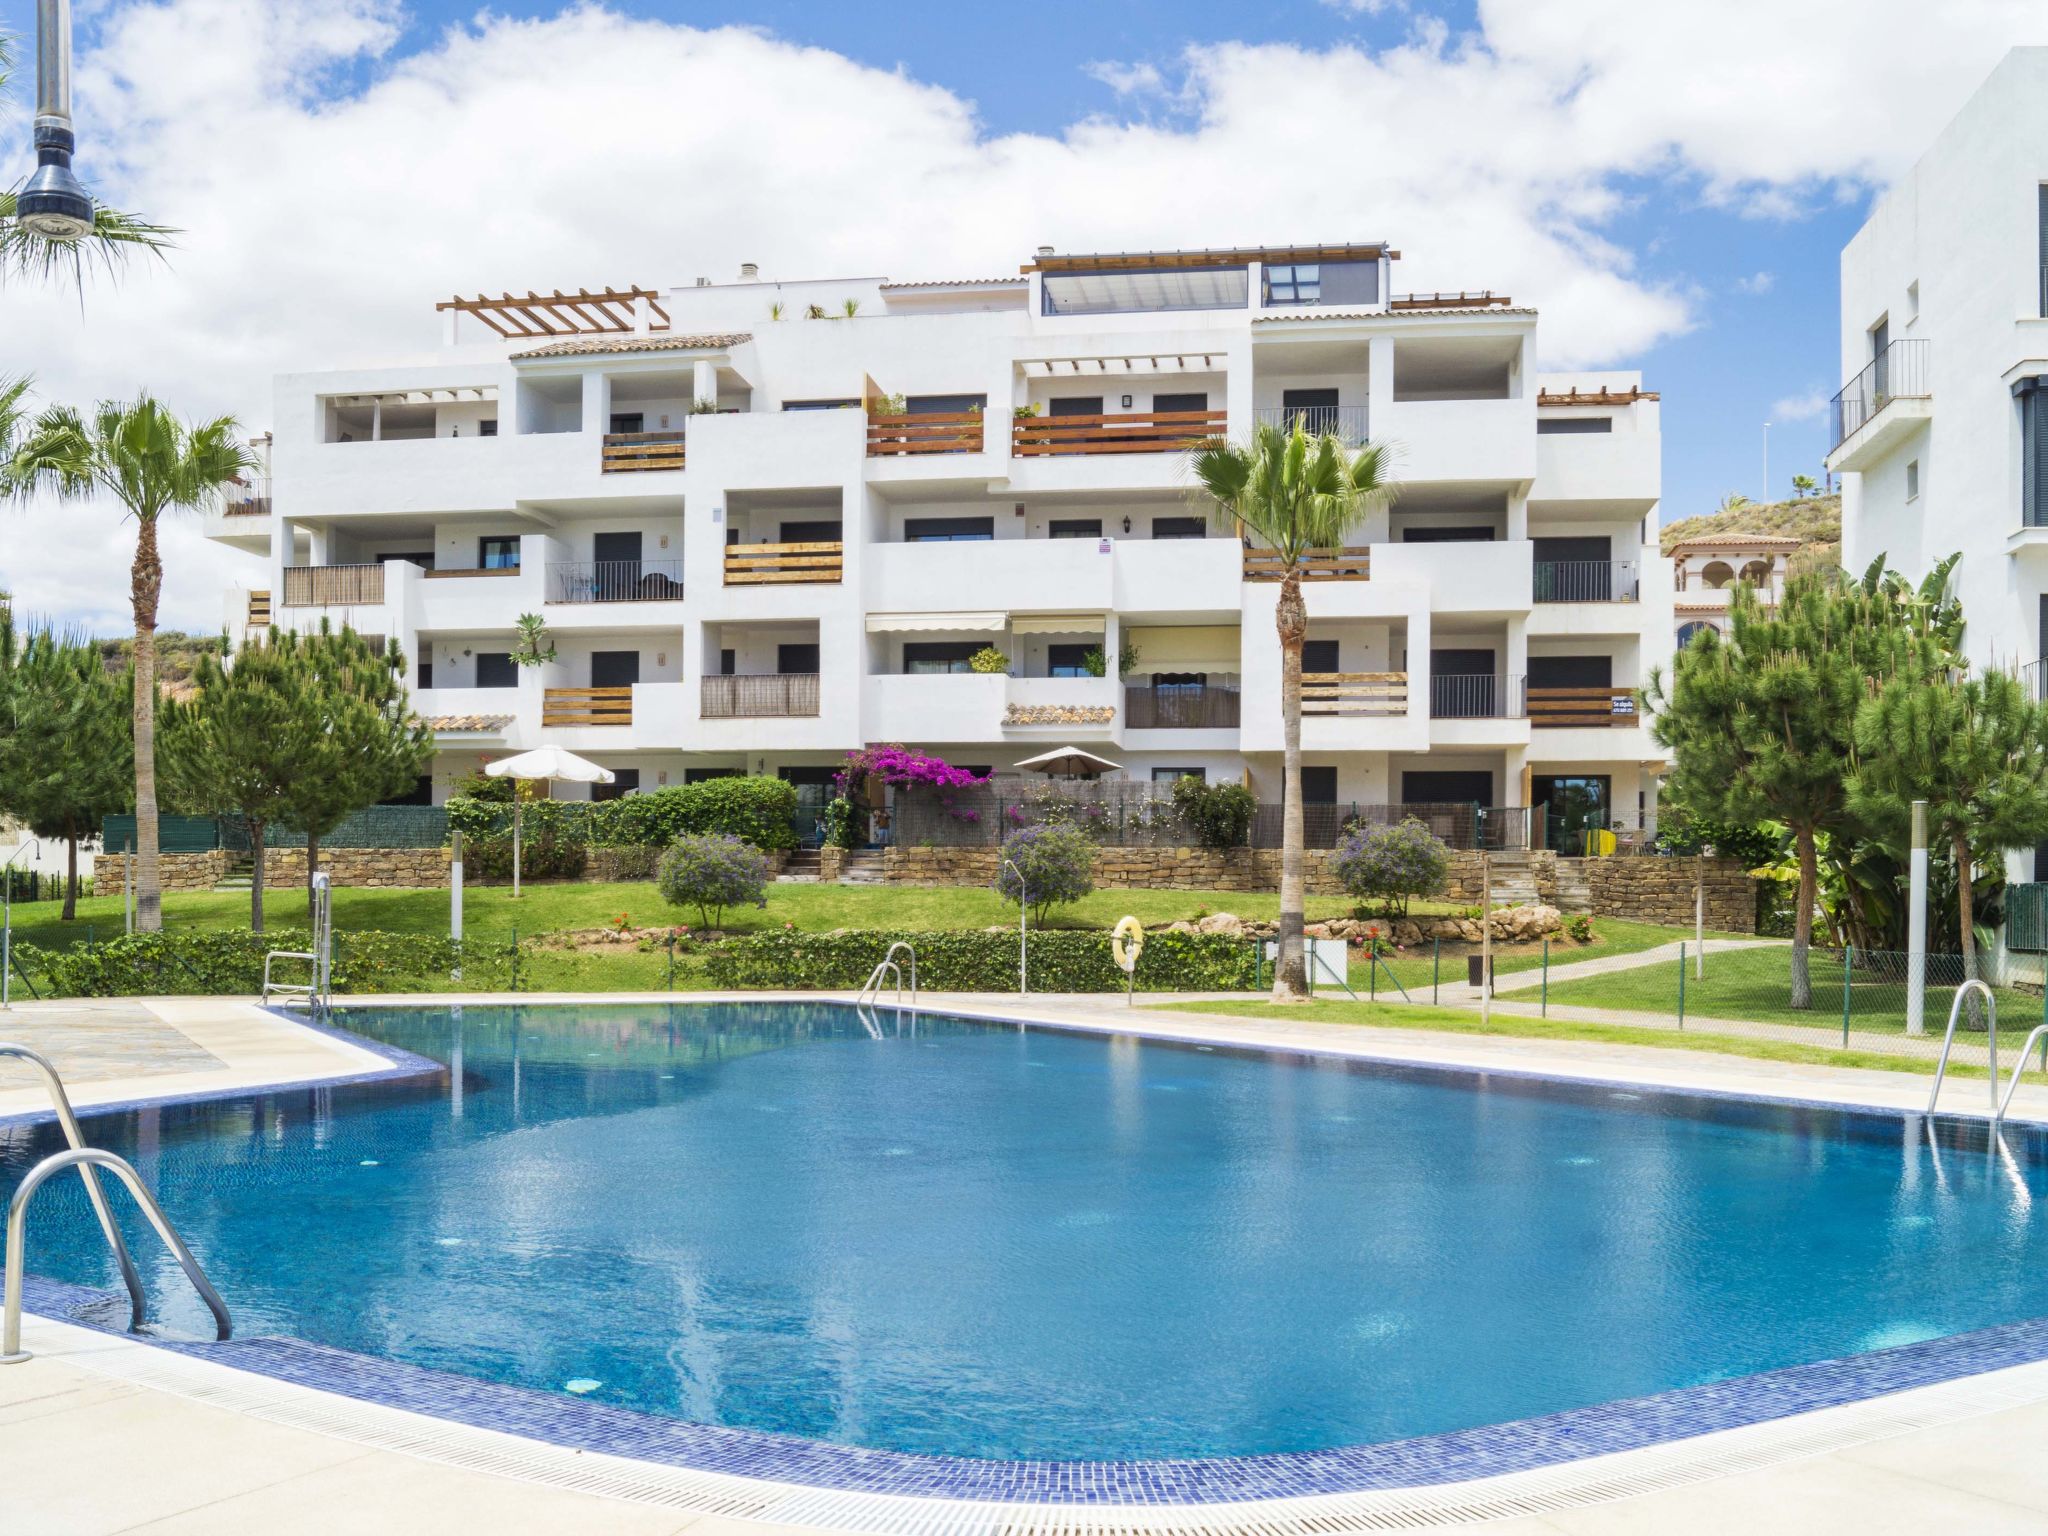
1601, 396
547, 315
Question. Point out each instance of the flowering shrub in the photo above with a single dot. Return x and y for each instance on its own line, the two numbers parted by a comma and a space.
1219, 815
1057, 864
1391, 864
712, 871
989, 661
898, 765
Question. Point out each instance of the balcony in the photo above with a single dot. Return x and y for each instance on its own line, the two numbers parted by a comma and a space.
1552, 708
246, 498
1476, 697
753, 565
586, 706
259, 610
1182, 707
333, 586
1034, 437
1881, 406
615, 581
1586, 581
753, 698
924, 432
625, 453
1347, 422
1352, 564
1354, 693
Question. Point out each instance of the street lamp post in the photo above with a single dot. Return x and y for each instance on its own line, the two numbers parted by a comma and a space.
52, 203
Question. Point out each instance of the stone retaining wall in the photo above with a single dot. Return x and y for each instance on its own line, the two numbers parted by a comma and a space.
174, 871
1661, 891
1192, 869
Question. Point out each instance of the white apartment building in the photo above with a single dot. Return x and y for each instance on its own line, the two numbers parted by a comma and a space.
1706, 571
767, 522
1945, 345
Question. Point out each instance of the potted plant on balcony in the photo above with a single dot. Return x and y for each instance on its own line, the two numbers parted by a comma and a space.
990, 662
533, 645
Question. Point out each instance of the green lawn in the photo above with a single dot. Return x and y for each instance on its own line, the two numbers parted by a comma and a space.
1416, 967
1456, 1021
1755, 984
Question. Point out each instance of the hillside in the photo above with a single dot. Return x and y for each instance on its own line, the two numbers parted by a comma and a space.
177, 658
1815, 520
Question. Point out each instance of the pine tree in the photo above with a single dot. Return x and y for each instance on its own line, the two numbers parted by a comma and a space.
65, 758
1976, 750
1762, 725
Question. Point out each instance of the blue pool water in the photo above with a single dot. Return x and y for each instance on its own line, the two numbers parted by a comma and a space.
993, 1242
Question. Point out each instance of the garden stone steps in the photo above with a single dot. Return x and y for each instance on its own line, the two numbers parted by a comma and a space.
861, 866
1574, 892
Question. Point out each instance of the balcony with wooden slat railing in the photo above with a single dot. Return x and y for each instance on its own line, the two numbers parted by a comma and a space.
756, 565
924, 432
727, 697
1353, 564
259, 609
333, 586
1583, 707
627, 453
586, 706
1034, 437
1354, 693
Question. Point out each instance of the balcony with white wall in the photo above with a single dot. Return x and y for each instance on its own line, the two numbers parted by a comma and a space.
1604, 459
1011, 574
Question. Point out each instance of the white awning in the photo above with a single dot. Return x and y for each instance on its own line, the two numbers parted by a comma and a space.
901, 623
1057, 624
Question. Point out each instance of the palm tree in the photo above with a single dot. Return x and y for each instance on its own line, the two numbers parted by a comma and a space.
1297, 492
115, 235
152, 463
1805, 486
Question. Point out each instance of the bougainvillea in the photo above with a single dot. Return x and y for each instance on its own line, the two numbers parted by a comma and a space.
896, 764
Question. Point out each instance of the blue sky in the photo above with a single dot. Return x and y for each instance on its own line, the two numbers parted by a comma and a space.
1670, 184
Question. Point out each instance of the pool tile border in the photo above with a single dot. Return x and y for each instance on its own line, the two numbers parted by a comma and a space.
1420, 1462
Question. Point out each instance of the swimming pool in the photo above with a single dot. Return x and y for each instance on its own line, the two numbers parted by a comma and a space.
969, 1240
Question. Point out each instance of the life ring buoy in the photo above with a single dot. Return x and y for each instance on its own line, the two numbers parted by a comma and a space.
1126, 943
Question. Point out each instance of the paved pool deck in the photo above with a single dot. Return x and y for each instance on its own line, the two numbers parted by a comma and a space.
100, 1433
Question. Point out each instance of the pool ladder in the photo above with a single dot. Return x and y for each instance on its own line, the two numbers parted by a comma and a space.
85, 1159
871, 989
319, 990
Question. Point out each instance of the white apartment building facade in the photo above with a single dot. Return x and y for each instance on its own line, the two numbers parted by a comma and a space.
1941, 432
767, 523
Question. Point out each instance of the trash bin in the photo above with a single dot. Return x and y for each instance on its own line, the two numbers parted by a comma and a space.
1475, 974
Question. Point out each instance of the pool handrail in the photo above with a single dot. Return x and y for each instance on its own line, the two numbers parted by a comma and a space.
61, 1102
11, 1352
2019, 1070
871, 989
1948, 1040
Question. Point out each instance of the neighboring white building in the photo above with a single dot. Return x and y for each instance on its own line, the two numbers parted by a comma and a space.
1705, 572
766, 522
1945, 347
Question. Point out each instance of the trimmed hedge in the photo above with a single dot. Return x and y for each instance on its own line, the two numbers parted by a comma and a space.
760, 809
231, 962
975, 961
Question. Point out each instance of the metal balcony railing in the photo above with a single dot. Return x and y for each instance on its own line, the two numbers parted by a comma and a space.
1477, 696
1346, 421
246, 498
615, 581
1182, 707
1899, 372
1585, 581
784, 693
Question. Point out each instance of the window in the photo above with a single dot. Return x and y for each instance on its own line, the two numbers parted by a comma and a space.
2033, 398
1180, 528
625, 781
1561, 426
1319, 656
423, 558
1294, 283
1461, 535
1075, 405
1688, 632
944, 405
1175, 775
614, 669
494, 669
423, 676
1318, 785
923, 657
1067, 660
811, 531
1315, 409
796, 660
628, 421
2042, 214
1195, 400
948, 530
1912, 479
728, 662
820, 405
1075, 528
488, 427
497, 554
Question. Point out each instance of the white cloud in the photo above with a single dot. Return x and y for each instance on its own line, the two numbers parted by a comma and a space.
1756, 284
1807, 407
1127, 79
331, 191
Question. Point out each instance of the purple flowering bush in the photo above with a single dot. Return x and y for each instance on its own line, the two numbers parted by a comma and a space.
1057, 865
899, 766
1392, 864
712, 871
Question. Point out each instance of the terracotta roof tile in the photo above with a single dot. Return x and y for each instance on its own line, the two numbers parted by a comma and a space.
586, 346
468, 722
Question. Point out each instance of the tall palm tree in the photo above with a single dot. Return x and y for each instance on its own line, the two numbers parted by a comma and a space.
152, 463
1297, 492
